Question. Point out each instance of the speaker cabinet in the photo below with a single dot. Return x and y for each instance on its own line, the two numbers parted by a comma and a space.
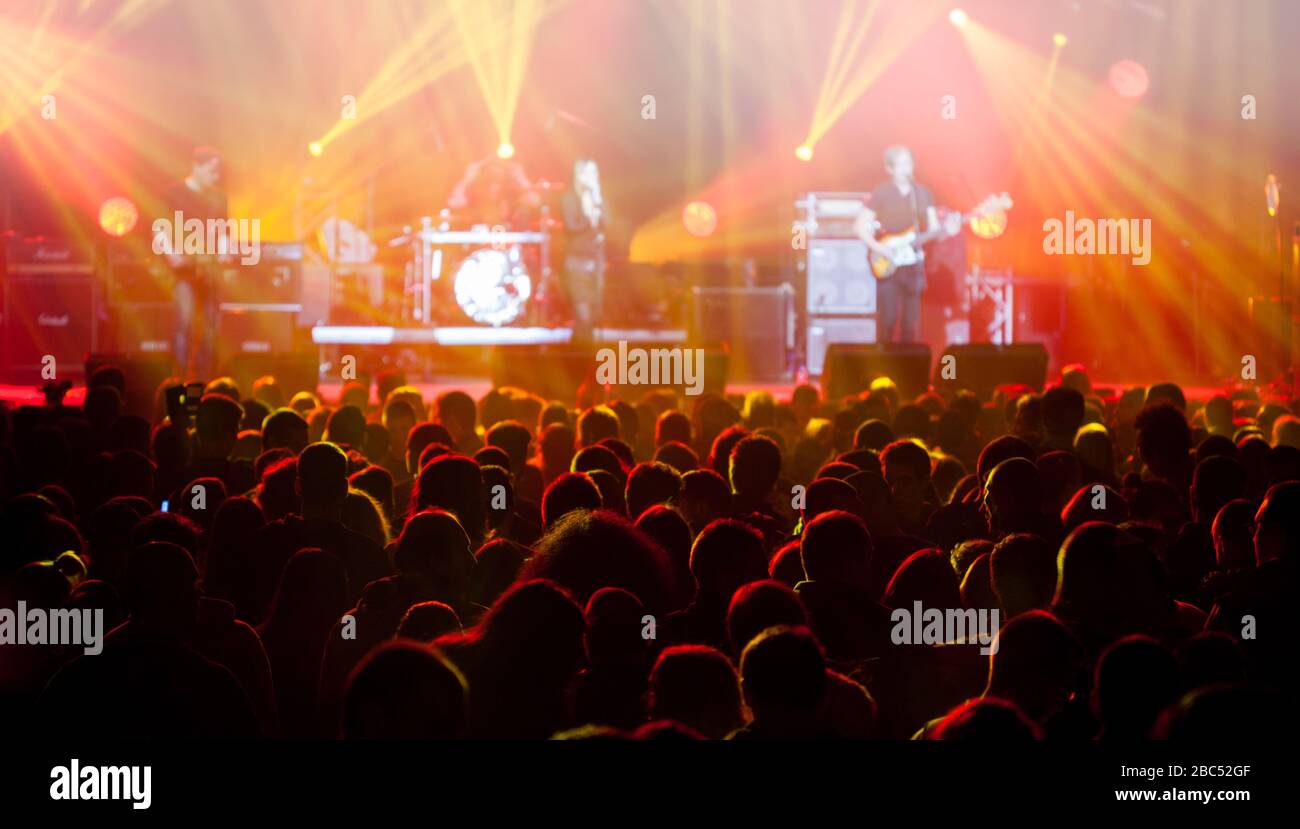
825, 331
839, 279
48, 315
850, 367
754, 325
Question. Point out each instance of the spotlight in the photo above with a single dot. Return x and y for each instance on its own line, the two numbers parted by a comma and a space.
505, 150
118, 215
1059, 40
958, 18
699, 218
1129, 78
315, 148
803, 152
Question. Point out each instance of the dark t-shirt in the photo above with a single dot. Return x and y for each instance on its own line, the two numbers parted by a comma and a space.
897, 212
192, 205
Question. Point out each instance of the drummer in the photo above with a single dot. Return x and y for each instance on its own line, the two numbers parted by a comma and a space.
496, 192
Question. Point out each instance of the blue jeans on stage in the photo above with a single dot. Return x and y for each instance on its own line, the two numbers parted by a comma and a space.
196, 327
898, 304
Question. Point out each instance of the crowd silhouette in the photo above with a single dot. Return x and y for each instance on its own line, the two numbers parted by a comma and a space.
671, 567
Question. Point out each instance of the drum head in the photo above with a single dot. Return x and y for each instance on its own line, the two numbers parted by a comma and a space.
492, 286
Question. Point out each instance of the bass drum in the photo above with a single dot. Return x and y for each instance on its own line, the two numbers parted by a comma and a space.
492, 285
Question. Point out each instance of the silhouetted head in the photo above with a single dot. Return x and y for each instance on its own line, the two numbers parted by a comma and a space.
454, 483
989, 720
1036, 664
726, 555
162, 587
1277, 523
783, 674
1136, 679
649, 484
322, 477
571, 491
760, 605
697, 686
434, 546
404, 691
587, 550
836, 550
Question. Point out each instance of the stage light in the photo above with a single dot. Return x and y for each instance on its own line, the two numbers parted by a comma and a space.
803, 153
505, 150
315, 148
1129, 78
118, 215
699, 218
958, 18
1059, 40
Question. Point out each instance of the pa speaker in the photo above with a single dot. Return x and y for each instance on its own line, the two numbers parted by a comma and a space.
850, 367
982, 367
754, 325
144, 374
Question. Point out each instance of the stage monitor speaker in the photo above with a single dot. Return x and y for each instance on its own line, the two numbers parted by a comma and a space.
839, 279
824, 331
982, 367
292, 372
1270, 324
144, 374
47, 315
850, 367
754, 325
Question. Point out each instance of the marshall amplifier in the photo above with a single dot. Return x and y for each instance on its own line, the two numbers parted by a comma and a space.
44, 256
275, 279
50, 315
49, 306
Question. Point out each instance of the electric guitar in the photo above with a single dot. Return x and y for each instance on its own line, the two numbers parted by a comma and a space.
904, 247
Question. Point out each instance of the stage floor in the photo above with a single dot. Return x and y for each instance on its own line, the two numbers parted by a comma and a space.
477, 386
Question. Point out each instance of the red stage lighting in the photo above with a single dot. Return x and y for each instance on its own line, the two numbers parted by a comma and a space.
118, 215
1129, 78
699, 218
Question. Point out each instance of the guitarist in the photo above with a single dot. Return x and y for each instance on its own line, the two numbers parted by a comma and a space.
195, 289
899, 204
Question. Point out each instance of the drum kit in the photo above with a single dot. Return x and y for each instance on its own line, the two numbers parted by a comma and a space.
460, 272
